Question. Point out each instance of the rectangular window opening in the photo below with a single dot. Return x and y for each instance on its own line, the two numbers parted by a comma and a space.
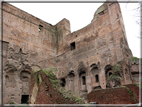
72, 46
40, 28
25, 99
97, 78
83, 80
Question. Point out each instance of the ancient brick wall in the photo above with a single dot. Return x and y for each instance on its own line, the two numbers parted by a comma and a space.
27, 40
135, 91
135, 68
83, 58
22, 30
135, 73
101, 43
114, 95
46, 93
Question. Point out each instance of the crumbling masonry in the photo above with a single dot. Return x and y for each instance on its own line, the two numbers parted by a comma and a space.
84, 59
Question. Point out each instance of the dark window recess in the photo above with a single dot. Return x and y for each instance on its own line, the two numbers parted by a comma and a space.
72, 46
25, 99
110, 74
83, 80
97, 78
40, 28
63, 82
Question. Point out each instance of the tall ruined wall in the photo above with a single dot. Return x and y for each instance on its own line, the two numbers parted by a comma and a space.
83, 58
27, 40
100, 44
62, 29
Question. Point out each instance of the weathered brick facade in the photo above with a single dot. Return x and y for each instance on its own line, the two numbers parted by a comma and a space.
46, 92
83, 59
115, 95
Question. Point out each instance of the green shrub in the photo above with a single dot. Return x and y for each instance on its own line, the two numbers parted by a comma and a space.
117, 72
114, 77
134, 60
117, 69
12, 103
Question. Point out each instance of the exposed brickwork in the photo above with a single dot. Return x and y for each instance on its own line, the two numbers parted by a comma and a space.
135, 90
48, 95
135, 68
101, 44
114, 95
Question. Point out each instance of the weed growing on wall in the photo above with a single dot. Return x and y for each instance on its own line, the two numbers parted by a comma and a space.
37, 78
52, 78
138, 85
67, 94
134, 60
117, 68
116, 74
130, 92
114, 77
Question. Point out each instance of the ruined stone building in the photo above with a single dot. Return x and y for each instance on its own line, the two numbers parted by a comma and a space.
84, 59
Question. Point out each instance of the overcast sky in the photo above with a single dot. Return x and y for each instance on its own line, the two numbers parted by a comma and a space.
81, 14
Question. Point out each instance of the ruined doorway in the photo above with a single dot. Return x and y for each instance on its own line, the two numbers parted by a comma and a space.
25, 99
82, 79
108, 71
94, 72
25, 79
82, 84
71, 80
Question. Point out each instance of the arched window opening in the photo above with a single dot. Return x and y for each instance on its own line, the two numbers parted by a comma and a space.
93, 66
63, 82
97, 87
108, 71
97, 78
83, 80
71, 74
